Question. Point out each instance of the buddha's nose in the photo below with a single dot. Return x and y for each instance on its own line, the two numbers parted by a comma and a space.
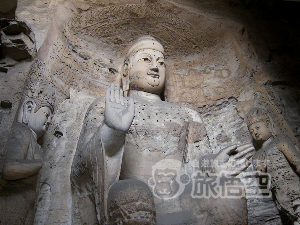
154, 66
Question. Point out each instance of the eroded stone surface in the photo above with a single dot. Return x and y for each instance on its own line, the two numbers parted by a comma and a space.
217, 79
17, 40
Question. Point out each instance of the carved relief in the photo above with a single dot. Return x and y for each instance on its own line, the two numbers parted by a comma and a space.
115, 25
131, 202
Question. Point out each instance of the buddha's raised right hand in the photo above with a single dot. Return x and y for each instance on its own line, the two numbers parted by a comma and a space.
117, 115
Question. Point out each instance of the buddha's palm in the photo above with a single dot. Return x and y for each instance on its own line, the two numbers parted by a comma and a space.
117, 115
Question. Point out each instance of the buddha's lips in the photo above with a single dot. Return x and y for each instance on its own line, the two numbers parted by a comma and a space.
153, 75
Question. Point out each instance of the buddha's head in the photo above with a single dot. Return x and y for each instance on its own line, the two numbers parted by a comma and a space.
38, 107
144, 66
260, 125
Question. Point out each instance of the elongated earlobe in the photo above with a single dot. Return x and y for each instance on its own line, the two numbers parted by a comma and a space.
125, 79
28, 108
271, 126
273, 131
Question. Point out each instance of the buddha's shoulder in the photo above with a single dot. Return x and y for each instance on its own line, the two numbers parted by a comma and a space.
183, 110
21, 128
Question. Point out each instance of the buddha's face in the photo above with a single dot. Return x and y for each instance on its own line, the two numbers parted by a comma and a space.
40, 120
260, 131
147, 71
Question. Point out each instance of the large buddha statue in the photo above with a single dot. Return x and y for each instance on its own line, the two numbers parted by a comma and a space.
129, 132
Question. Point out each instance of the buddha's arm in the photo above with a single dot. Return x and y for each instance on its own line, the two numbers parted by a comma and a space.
287, 147
102, 132
232, 159
118, 118
18, 169
16, 166
112, 139
97, 140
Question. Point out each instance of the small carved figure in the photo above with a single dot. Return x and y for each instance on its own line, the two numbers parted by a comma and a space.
277, 156
24, 156
124, 137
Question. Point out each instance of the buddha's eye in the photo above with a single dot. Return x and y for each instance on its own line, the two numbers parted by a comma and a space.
161, 63
146, 59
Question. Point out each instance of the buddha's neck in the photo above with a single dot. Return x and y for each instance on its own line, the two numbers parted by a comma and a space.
145, 96
267, 142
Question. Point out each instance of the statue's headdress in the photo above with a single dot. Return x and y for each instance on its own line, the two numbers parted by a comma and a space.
145, 42
43, 94
257, 115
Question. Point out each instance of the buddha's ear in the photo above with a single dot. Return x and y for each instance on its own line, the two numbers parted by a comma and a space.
271, 126
28, 109
273, 129
125, 78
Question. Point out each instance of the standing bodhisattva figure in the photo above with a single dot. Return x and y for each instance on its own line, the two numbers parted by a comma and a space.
277, 156
24, 156
124, 137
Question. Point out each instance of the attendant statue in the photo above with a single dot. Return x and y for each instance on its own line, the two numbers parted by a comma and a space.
124, 137
24, 156
277, 156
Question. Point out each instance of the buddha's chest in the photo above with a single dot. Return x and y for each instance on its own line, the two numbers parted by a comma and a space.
157, 128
